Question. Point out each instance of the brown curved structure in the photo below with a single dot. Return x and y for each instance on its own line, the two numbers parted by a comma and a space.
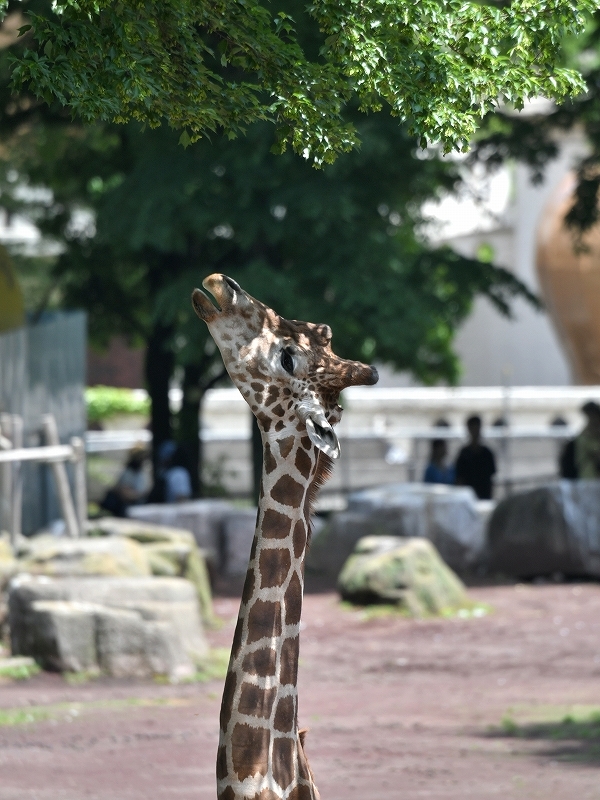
570, 281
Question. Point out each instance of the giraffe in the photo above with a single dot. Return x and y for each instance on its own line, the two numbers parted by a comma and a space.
291, 380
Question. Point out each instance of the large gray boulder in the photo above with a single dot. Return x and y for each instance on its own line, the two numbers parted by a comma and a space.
407, 572
203, 518
238, 533
124, 627
451, 518
171, 552
552, 529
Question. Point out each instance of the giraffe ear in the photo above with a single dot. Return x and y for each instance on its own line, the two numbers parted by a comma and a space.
322, 435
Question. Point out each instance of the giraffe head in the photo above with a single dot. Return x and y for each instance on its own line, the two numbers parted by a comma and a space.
285, 369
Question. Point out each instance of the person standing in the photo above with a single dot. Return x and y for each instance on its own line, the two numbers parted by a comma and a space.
587, 444
476, 464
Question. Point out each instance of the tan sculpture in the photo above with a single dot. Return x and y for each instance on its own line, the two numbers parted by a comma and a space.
12, 314
570, 281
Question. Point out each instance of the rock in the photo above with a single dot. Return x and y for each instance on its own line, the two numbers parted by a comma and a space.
203, 518
8, 563
552, 529
62, 635
449, 516
63, 557
405, 571
238, 529
334, 544
132, 627
171, 552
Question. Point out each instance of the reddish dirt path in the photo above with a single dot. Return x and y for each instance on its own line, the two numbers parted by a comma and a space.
397, 709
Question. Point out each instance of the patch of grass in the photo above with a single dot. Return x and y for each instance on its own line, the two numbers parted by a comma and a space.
471, 611
70, 711
77, 678
19, 672
21, 716
574, 736
214, 667
509, 726
569, 727
385, 610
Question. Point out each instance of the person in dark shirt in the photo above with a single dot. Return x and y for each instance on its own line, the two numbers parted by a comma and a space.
476, 464
437, 470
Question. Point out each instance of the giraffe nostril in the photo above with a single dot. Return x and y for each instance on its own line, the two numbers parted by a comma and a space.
232, 284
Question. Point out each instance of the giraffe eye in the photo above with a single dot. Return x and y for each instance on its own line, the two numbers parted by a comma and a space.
287, 362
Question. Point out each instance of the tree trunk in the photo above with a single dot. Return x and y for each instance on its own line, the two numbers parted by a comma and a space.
160, 362
188, 433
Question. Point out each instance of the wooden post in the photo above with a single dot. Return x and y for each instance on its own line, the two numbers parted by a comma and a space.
5, 474
62, 481
80, 482
17, 484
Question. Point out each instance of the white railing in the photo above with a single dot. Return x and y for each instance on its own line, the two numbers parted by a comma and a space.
12, 457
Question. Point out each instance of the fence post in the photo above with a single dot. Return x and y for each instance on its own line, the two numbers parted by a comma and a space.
17, 483
80, 482
5, 473
60, 476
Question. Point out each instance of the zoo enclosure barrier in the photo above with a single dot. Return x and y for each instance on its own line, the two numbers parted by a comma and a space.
56, 455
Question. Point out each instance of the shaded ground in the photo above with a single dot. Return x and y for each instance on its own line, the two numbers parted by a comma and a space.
503, 706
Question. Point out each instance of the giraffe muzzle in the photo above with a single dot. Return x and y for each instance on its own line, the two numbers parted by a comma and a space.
220, 294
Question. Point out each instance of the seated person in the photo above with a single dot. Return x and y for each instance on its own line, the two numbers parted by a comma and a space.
173, 483
132, 485
178, 484
437, 470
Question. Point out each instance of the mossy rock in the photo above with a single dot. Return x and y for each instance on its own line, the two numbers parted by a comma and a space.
171, 552
407, 572
62, 557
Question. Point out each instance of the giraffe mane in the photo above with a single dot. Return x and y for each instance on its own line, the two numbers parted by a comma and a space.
324, 469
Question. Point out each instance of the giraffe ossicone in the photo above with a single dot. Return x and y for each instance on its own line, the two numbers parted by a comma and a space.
291, 379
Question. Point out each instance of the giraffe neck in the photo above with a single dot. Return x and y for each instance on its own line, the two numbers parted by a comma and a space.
260, 751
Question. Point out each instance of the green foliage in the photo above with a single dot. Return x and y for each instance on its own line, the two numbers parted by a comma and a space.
103, 402
337, 245
220, 65
534, 140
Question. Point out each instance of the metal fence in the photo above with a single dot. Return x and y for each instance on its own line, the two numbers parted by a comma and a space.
42, 371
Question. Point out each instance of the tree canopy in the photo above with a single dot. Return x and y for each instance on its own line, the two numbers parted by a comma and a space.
535, 139
220, 65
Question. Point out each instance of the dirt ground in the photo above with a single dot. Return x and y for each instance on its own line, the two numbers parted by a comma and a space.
439, 709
